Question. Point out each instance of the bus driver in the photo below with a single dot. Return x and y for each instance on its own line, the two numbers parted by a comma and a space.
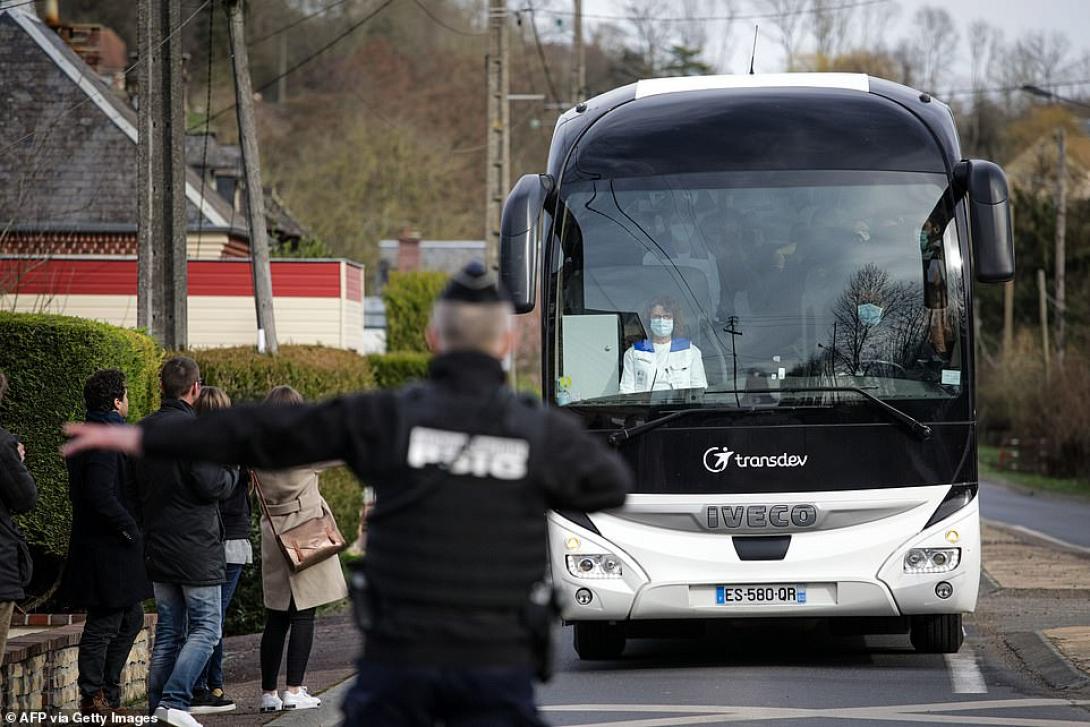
664, 361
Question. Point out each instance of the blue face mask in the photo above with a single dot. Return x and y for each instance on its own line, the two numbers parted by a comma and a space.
662, 327
870, 314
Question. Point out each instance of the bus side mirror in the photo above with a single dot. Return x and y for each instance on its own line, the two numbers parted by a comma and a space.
519, 232
989, 219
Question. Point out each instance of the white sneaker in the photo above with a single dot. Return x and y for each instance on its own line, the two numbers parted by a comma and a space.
300, 700
175, 717
271, 702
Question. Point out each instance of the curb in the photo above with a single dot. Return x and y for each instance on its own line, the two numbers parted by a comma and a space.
1042, 658
328, 715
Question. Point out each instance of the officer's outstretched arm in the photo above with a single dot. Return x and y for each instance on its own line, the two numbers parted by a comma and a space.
583, 473
275, 437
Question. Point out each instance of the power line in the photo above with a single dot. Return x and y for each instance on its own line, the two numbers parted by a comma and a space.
1005, 89
298, 21
438, 21
351, 29
87, 100
752, 16
541, 55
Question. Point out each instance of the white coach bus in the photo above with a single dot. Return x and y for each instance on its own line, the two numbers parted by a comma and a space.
758, 289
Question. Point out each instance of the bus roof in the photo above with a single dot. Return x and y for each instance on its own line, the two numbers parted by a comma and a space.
848, 81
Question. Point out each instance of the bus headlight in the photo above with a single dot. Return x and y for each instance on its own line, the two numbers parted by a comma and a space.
932, 560
594, 566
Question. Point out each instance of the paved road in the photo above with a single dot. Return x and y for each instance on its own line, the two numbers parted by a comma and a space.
1059, 517
794, 675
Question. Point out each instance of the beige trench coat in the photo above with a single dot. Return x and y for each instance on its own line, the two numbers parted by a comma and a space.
293, 498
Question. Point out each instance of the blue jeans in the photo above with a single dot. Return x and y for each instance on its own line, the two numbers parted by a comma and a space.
188, 628
211, 677
387, 695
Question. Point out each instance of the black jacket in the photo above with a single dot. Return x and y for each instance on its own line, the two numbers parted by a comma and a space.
452, 558
179, 507
235, 508
105, 565
17, 495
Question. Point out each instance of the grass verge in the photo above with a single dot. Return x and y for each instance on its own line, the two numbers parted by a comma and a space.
990, 469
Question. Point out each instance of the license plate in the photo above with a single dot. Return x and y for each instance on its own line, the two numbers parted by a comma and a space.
765, 593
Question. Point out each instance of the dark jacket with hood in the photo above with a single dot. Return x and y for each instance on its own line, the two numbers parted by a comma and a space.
105, 565
18, 495
179, 506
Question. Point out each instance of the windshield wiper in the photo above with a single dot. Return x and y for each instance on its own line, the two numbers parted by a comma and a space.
910, 423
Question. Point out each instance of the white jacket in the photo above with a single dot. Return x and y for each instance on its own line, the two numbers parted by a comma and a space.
682, 367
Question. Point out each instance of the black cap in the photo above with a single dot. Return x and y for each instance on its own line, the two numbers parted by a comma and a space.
474, 284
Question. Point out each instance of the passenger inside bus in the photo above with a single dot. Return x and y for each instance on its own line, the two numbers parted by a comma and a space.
666, 360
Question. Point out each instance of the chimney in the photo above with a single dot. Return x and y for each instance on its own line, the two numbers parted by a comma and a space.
52, 13
408, 250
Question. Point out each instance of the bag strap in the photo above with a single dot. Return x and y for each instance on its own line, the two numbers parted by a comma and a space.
264, 503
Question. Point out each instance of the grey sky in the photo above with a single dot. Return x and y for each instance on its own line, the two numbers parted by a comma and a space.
1013, 17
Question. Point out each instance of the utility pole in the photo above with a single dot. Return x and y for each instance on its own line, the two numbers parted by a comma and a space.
579, 69
1042, 311
497, 174
162, 277
1061, 243
251, 164
1008, 318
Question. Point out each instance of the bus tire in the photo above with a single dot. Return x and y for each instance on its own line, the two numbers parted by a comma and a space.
937, 634
598, 640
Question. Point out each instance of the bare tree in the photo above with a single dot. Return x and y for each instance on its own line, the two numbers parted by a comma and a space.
789, 19
934, 46
830, 23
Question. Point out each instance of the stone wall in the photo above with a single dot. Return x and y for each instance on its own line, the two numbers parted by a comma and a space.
39, 670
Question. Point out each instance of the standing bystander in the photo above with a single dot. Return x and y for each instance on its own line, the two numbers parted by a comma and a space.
183, 551
104, 572
208, 695
17, 495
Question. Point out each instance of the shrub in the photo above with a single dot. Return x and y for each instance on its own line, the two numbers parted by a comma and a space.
315, 372
395, 369
409, 298
48, 358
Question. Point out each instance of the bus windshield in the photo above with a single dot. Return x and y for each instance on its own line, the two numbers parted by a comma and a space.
720, 288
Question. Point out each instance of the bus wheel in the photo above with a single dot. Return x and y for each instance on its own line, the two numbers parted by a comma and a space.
937, 634
598, 640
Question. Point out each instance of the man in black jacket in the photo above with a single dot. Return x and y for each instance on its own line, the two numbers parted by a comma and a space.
464, 471
104, 572
17, 495
183, 549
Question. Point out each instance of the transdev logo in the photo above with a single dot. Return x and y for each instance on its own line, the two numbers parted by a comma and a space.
717, 459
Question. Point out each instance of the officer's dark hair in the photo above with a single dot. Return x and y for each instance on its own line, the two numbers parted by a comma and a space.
178, 376
672, 306
284, 395
103, 388
3, 386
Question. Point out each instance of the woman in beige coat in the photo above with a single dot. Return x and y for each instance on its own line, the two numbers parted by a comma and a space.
291, 598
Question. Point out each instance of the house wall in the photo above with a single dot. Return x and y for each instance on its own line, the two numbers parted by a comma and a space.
314, 302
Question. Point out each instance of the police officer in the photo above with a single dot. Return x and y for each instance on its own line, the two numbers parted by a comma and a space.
463, 471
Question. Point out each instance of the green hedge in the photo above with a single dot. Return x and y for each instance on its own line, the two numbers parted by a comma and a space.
47, 359
409, 298
395, 369
315, 372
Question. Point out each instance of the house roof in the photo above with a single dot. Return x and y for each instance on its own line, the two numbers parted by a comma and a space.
68, 143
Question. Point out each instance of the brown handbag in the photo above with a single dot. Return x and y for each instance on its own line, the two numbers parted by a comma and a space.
308, 543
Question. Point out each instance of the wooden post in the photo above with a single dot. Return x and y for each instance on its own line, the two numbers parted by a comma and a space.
162, 276
497, 173
1008, 317
1061, 242
255, 199
1042, 311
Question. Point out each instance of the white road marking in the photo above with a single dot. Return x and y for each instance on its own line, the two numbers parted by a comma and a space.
1038, 534
930, 713
965, 676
